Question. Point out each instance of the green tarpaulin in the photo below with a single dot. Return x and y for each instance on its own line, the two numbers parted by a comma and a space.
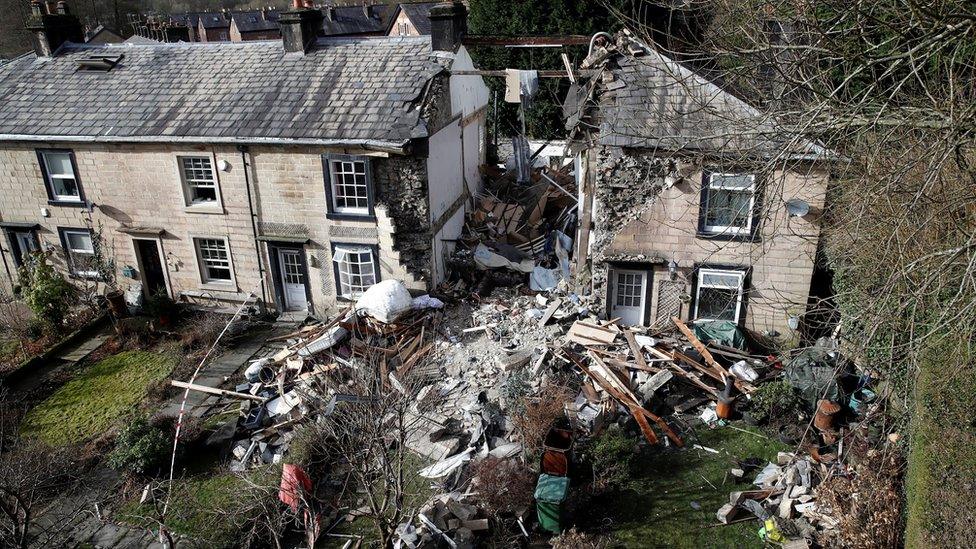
721, 331
814, 372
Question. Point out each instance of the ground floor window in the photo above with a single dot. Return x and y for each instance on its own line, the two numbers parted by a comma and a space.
214, 257
79, 251
356, 269
719, 295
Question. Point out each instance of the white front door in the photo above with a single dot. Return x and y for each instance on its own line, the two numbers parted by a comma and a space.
629, 290
292, 279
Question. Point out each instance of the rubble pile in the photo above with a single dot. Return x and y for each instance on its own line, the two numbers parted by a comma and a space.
516, 233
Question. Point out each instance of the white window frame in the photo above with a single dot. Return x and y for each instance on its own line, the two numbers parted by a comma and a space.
50, 176
339, 256
190, 183
69, 251
340, 161
711, 185
203, 264
740, 277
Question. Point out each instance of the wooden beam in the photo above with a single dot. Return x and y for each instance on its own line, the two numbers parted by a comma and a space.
635, 348
526, 41
214, 391
501, 74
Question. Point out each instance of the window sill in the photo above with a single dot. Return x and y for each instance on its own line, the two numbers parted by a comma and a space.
365, 218
68, 203
728, 237
219, 286
213, 209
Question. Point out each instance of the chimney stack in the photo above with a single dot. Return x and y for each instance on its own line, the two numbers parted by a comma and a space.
52, 26
300, 27
448, 25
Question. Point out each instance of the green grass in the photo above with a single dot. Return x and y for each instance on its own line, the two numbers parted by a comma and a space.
195, 509
942, 461
97, 398
655, 509
9, 350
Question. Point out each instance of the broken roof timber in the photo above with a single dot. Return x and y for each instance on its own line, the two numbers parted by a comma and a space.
501, 74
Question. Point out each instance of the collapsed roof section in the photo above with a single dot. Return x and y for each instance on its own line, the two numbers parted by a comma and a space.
637, 97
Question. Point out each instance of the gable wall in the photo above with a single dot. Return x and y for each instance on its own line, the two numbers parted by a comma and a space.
638, 220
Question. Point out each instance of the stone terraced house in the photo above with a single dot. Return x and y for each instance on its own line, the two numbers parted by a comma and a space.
693, 203
301, 170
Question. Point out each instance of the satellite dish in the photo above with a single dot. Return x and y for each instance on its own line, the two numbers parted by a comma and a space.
797, 207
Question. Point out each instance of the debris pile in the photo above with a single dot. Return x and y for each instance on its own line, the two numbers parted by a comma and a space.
517, 233
783, 499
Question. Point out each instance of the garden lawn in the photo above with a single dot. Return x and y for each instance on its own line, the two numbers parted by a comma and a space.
655, 509
195, 509
942, 463
97, 398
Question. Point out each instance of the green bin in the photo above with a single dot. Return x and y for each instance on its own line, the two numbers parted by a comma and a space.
550, 492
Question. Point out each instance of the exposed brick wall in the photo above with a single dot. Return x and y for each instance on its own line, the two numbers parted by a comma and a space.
642, 219
139, 185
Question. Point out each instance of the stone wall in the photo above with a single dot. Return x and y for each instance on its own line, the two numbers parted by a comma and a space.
647, 215
140, 185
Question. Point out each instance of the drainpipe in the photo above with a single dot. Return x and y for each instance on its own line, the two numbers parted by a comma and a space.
6, 267
245, 153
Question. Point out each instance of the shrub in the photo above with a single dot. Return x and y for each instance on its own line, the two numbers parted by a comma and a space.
538, 416
140, 448
160, 305
201, 331
774, 401
504, 486
611, 454
46, 291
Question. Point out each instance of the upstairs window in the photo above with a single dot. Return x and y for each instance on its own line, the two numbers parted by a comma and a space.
719, 295
356, 269
199, 180
727, 203
79, 251
214, 257
348, 185
60, 176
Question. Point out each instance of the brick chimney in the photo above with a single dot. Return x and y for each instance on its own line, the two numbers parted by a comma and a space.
51, 26
448, 24
300, 26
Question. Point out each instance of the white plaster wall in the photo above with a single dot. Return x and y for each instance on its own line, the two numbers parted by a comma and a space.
444, 170
468, 93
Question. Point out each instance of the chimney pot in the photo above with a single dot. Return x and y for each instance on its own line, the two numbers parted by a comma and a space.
63, 8
51, 28
37, 7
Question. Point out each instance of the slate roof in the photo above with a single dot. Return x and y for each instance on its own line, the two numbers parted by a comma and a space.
214, 20
350, 92
186, 19
352, 20
253, 21
655, 102
419, 15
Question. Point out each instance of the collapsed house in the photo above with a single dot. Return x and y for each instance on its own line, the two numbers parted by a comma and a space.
694, 204
301, 171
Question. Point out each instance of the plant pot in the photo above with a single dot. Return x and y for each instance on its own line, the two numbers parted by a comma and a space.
116, 303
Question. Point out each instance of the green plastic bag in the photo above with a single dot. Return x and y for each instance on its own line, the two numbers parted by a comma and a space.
722, 331
551, 489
